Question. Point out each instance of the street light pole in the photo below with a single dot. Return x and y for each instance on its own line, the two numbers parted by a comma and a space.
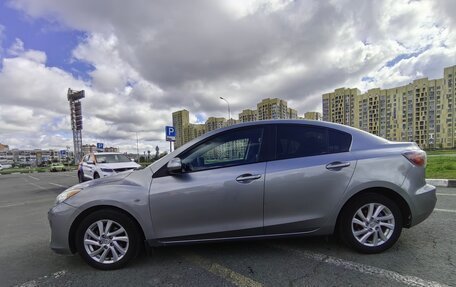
137, 145
229, 111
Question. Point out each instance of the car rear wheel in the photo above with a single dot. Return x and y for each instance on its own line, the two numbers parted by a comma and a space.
96, 175
370, 223
107, 239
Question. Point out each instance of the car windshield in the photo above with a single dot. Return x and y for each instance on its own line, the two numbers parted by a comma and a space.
111, 158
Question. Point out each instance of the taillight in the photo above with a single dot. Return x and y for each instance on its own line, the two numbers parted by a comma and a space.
417, 157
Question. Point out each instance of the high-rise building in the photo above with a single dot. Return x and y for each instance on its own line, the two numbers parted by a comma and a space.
214, 123
316, 116
422, 111
269, 109
181, 119
272, 109
248, 115
292, 113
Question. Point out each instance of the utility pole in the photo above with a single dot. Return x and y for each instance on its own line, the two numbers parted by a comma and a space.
229, 111
137, 145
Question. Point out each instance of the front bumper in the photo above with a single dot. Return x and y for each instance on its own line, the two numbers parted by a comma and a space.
60, 218
424, 201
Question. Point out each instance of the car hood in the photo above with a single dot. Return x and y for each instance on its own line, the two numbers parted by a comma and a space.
118, 165
104, 180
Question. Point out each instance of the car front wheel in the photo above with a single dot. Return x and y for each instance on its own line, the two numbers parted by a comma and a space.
107, 239
371, 223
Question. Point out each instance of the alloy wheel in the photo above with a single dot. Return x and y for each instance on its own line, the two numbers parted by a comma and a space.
106, 241
373, 224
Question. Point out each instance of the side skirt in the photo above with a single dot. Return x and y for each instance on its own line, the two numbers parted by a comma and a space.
176, 241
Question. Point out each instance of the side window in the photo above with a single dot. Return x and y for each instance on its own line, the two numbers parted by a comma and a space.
305, 140
228, 149
338, 141
86, 158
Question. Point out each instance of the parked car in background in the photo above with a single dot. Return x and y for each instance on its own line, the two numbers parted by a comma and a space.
57, 167
3, 166
263, 179
102, 164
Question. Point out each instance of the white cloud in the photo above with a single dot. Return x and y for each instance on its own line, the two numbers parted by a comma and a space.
151, 58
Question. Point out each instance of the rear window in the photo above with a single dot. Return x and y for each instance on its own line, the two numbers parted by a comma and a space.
306, 140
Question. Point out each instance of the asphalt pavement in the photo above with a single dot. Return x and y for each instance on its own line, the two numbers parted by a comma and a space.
425, 255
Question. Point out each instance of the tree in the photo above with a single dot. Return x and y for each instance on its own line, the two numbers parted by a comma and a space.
157, 152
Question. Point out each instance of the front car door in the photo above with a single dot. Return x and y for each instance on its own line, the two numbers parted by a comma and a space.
311, 170
218, 194
88, 164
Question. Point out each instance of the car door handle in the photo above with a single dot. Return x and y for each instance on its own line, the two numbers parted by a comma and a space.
337, 165
247, 177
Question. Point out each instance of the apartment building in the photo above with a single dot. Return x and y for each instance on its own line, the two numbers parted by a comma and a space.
181, 119
266, 109
248, 115
422, 111
316, 116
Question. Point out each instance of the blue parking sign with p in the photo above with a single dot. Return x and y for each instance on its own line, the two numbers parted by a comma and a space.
170, 133
99, 146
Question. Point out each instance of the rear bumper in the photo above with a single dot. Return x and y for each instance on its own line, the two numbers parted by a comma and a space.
60, 219
424, 201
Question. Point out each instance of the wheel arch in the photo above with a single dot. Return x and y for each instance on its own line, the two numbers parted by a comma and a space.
389, 193
77, 221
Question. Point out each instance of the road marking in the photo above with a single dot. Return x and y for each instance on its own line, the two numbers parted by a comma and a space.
56, 184
222, 271
36, 282
445, 210
450, 194
37, 185
35, 178
26, 202
363, 268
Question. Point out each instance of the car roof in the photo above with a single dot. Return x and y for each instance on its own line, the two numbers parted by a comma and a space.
360, 139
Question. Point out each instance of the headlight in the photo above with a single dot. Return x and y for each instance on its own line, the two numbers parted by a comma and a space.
107, 170
66, 194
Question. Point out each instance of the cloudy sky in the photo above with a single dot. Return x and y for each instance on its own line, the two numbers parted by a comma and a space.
139, 60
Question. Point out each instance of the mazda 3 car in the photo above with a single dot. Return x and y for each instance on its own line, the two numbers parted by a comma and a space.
264, 179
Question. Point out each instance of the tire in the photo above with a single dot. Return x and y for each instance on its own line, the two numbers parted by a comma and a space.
96, 175
370, 234
107, 252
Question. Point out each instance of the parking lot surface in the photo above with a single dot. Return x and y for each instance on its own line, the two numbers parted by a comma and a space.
425, 255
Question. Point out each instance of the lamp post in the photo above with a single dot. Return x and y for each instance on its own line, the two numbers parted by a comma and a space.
229, 111
137, 145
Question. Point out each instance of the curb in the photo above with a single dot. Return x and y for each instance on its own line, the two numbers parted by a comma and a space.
442, 182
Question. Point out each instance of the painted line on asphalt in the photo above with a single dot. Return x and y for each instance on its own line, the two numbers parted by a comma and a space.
26, 202
35, 178
37, 185
445, 210
39, 281
450, 194
221, 271
56, 184
363, 268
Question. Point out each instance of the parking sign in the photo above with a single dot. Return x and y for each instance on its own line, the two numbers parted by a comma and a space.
170, 133
100, 146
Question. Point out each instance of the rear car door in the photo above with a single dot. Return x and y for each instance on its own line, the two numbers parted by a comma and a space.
311, 170
218, 195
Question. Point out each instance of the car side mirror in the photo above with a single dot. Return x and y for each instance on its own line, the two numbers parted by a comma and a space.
90, 162
174, 165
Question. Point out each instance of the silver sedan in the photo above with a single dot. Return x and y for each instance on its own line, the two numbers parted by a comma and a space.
264, 179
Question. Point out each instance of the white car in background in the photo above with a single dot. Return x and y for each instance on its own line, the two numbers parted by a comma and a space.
102, 164
2, 166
